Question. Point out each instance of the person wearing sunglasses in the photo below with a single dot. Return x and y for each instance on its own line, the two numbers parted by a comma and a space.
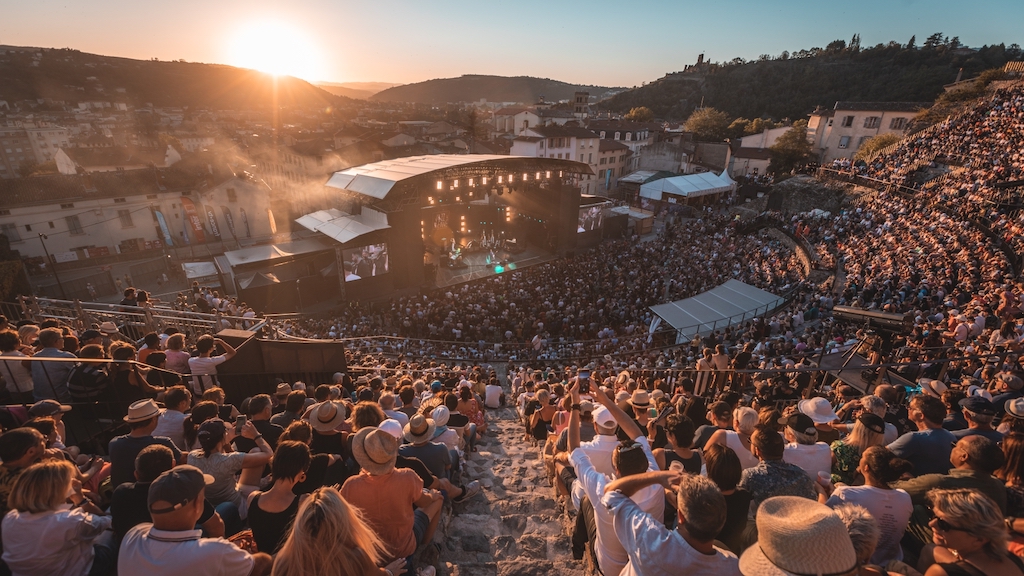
969, 537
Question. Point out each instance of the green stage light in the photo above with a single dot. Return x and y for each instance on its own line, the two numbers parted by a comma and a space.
499, 269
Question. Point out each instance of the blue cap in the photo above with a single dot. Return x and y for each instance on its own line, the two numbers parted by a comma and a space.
435, 386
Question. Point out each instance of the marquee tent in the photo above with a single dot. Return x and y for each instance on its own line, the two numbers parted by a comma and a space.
731, 303
688, 186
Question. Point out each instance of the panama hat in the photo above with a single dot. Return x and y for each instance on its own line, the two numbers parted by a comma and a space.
1015, 407
419, 429
818, 409
375, 450
640, 399
798, 536
108, 328
142, 410
932, 387
327, 416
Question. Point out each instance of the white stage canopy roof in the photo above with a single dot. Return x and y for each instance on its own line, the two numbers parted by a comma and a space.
688, 186
270, 252
377, 179
344, 227
731, 303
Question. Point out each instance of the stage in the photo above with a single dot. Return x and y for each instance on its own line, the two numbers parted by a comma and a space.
481, 265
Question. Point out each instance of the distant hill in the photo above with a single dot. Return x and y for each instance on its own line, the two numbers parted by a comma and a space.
72, 76
357, 90
792, 85
471, 88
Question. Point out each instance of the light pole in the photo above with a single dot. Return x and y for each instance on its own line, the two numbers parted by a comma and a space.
53, 264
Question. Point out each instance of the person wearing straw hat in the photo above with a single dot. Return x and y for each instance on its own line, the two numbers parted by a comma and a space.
419, 433
654, 549
143, 417
799, 536
325, 418
401, 527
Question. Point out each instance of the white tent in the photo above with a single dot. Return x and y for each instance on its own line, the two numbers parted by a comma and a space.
726, 305
688, 186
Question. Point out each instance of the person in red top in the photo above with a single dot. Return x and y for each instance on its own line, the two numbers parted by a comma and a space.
386, 496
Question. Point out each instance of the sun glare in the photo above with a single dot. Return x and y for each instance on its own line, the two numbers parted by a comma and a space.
275, 48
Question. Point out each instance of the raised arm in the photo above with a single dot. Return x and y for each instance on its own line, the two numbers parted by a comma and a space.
628, 425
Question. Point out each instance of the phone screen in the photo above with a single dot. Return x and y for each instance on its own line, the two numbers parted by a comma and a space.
239, 422
584, 379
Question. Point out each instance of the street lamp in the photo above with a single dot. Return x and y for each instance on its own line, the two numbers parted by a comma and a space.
53, 264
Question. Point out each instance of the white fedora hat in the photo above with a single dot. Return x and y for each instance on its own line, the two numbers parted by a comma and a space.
818, 409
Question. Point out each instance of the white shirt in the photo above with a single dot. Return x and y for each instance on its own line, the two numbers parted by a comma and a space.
657, 551
201, 366
611, 555
813, 458
55, 543
891, 510
747, 459
492, 396
172, 425
600, 452
147, 551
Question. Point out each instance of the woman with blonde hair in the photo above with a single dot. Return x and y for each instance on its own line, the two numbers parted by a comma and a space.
744, 420
868, 431
42, 534
330, 538
969, 537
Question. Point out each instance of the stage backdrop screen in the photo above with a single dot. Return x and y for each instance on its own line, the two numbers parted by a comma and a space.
591, 218
365, 262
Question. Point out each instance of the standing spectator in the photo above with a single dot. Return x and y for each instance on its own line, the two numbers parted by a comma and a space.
41, 535
204, 366
50, 379
171, 545
652, 548
329, 533
927, 449
393, 502
142, 419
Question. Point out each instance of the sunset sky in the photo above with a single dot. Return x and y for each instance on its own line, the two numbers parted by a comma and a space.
597, 42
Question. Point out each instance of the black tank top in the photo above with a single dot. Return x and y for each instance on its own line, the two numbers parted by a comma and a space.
691, 465
270, 529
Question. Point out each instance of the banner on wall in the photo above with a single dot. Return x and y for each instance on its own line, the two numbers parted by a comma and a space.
164, 229
211, 219
245, 220
193, 219
230, 220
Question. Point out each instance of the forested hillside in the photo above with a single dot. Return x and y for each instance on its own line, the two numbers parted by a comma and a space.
792, 85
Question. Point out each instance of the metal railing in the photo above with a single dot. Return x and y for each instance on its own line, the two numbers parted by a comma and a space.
132, 321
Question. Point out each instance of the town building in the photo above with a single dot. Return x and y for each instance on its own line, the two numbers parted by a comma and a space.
566, 143
839, 132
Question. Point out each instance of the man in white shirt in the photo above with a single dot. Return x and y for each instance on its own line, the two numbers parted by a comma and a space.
172, 420
204, 367
171, 544
802, 447
387, 404
494, 396
628, 459
653, 549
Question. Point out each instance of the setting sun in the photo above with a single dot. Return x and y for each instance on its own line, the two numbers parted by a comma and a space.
275, 48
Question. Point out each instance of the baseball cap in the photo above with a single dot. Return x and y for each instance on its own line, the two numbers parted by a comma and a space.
604, 418
48, 408
872, 422
89, 335
393, 427
435, 386
799, 422
979, 405
176, 488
